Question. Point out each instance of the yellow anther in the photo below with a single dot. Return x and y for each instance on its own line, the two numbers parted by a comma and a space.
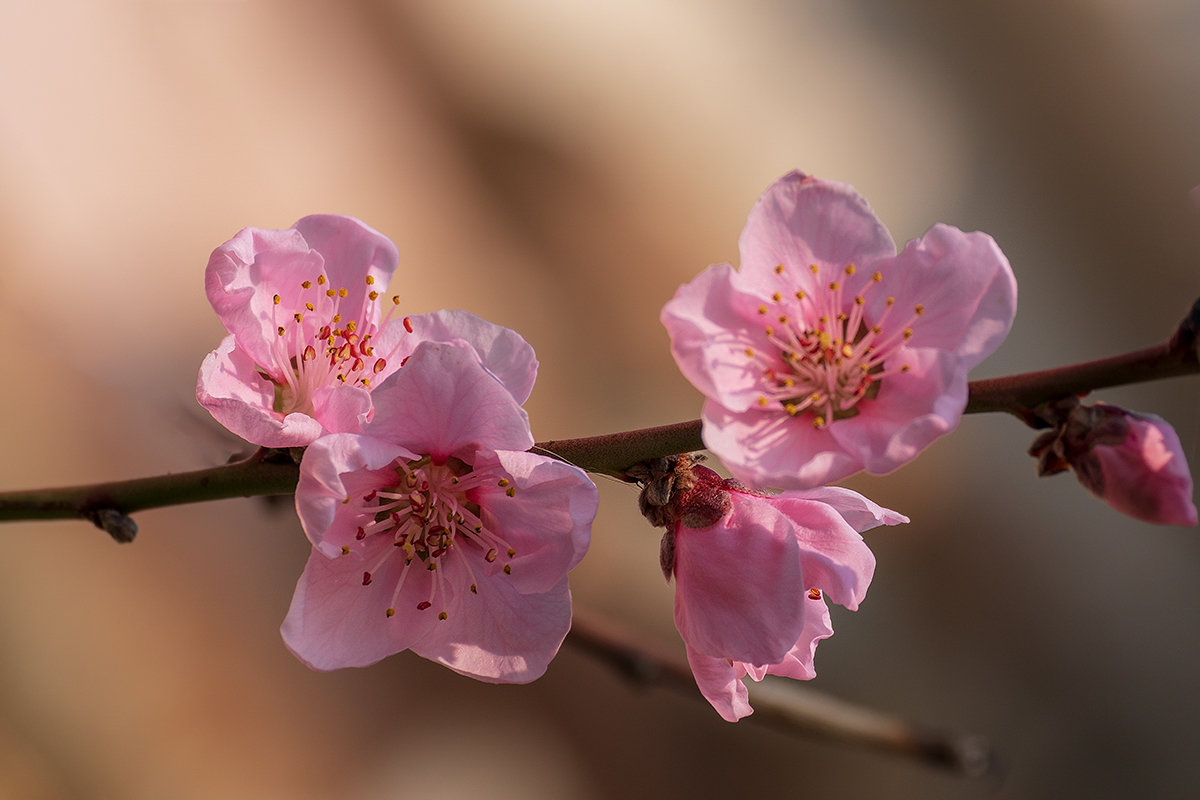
345, 550
351, 326
908, 332
762, 402
502, 482
920, 309
511, 552
779, 269
847, 350
814, 269
818, 422
297, 316
783, 319
834, 286
370, 280
391, 612
441, 615
336, 319
906, 368
508, 569
858, 301
321, 280
330, 293
891, 301
309, 306
342, 292
749, 352
788, 383
877, 277
776, 297
850, 269
762, 309
395, 299
800, 295
374, 295
791, 409
305, 284
276, 299
279, 330
875, 329
474, 589
769, 330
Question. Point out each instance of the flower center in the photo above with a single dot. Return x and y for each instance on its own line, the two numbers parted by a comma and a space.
324, 340
826, 356
431, 521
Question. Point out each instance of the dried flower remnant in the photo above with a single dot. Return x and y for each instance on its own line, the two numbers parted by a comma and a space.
752, 572
827, 353
311, 333
435, 531
1132, 461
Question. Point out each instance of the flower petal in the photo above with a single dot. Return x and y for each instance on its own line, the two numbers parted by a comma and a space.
801, 220
965, 286
335, 621
334, 467
547, 519
798, 663
503, 351
720, 684
835, 559
739, 587
352, 251
500, 635
444, 403
238, 397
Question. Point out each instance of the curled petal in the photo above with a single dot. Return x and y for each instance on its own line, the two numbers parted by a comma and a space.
719, 682
240, 398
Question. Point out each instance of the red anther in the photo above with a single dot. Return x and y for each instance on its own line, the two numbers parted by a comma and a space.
366, 579
357, 365
438, 553
424, 604
371, 495
408, 324
360, 534
380, 364
814, 594
491, 555
403, 361
309, 354
324, 333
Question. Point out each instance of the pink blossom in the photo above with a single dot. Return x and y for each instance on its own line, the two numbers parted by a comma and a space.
752, 574
433, 530
308, 339
827, 353
1134, 462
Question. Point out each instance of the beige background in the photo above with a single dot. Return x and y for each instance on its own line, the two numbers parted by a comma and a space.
560, 167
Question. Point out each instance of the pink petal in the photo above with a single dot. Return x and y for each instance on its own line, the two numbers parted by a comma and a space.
768, 448
834, 558
965, 285
720, 685
1146, 476
500, 635
547, 520
245, 273
341, 408
859, 512
912, 410
798, 663
335, 621
334, 467
238, 397
502, 351
712, 321
801, 220
739, 586
352, 250
444, 403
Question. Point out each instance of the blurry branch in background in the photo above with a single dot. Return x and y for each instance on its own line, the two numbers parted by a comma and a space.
784, 706
267, 472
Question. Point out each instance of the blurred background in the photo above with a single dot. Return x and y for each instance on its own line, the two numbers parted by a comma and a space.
560, 168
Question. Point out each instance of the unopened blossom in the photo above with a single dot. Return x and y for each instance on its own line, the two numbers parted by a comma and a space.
827, 353
309, 337
1132, 461
435, 531
753, 572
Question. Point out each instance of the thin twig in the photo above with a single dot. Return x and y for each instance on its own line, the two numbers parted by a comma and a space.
787, 706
